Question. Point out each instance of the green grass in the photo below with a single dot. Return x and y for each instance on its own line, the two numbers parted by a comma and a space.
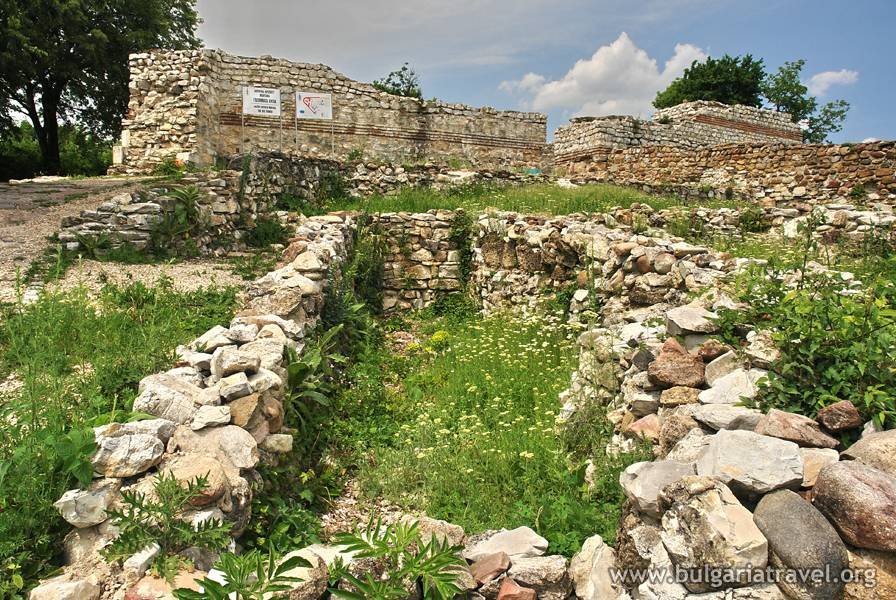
464, 429
532, 199
79, 360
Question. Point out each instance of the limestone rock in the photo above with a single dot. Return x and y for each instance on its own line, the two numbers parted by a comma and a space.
798, 429
313, 579
727, 416
678, 395
167, 397
642, 482
859, 501
673, 429
690, 447
751, 464
721, 366
65, 588
234, 386
799, 537
674, 366
127, 455
690, 318
160, 428
840, 416
761, 350
229, 360
733, 387
876, 575
546, 575
191, 467
876, 450
230, 443
138, 563
590, 568
706, 526
814, 460
521, 542
85, 508
278, 443
210, 416
442, 531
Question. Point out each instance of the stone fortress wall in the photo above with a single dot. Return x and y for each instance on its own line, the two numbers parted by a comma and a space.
691, 125
189, 104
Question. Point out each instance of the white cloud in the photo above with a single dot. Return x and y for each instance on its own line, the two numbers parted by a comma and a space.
620, 78
820, 82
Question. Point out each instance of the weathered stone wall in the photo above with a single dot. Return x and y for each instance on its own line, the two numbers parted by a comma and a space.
189, 104
770, 174
689, 125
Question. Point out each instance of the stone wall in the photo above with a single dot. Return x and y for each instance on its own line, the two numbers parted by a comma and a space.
689, 125
771, 174
189, 104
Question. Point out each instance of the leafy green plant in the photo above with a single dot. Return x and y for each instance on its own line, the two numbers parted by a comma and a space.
143, 521
401, 82
179, 224
268, 230
171, 167
249, 576
430, 567
752, 220
461, 237
857, 192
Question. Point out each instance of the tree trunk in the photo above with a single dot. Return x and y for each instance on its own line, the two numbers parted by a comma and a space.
50, 150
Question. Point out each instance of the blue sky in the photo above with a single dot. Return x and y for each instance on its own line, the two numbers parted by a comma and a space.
573, 57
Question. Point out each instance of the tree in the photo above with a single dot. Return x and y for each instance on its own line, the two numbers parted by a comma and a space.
68, 59
786, 93
730, 80
401, 82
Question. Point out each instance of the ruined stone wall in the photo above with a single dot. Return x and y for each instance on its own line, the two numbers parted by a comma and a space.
189, 104
773, 174
689, 125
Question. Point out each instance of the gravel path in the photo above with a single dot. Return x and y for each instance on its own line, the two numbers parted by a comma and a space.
30, 212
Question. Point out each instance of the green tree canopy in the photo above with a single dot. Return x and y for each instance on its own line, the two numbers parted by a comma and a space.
730, 80
401, 82
786, 93
68, 59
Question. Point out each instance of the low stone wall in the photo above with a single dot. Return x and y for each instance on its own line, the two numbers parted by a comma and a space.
218, 413
768, 174
189, 104
689, 125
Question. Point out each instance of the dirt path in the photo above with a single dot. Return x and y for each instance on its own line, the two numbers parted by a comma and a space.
30, 212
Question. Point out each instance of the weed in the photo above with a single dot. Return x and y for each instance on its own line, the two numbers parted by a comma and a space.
249, 576
268, 230
144, 521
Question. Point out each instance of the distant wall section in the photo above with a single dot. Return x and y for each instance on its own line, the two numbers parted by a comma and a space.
188, 104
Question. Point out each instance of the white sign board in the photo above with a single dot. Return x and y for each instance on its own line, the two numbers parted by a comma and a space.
314, 105
260, 101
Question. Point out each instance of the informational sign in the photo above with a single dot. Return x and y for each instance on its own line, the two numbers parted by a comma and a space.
314, 105
261, 101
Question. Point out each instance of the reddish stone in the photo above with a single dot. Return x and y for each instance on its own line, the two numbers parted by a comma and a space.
674, 366
840, 416
711, 350
795, 428
490, 567
647, 427
859, 501
509, 590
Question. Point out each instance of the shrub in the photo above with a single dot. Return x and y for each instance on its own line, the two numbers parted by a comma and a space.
752, 220
177, 226
834, 345
857, 192
268, 230
170, 167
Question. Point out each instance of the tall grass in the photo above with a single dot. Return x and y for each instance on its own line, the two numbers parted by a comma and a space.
79, 360
544, 199
476, 441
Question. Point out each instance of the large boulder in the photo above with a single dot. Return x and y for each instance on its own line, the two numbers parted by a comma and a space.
690, 318
126, 455
726, 416
705, 526
876, 450
521, 542
590, 570
798, 429
547, 575
230, 444
733, 388
642, 482
442, 531
859, 501
751, 464
800, 538
840, 416
167, 397
85, 508
64, 587
674, 366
